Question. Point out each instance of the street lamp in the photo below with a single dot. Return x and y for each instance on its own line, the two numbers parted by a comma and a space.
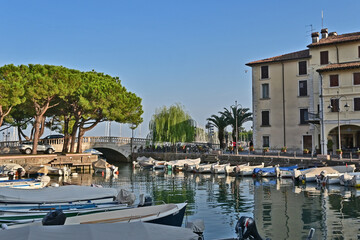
236, 126
346, 106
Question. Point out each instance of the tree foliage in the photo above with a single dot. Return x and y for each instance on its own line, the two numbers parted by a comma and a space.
172, 125
74, 101
220, 122
242, 115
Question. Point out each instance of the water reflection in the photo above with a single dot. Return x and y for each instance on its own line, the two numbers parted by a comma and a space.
282, 210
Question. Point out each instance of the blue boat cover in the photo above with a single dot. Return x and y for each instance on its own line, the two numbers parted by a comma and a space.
288, 168
272, 170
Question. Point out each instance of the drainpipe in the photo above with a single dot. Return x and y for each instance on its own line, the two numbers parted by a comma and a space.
323, 143
283, 93
337, 54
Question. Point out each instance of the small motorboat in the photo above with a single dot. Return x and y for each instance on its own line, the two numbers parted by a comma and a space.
179, 165
266, 172
205, 168
220, 168
309, 175
102, 166
28, 183
287, 172
350, 179
246, 170
63, 194
128, 231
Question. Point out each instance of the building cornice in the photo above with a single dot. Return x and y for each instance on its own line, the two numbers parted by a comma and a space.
339, 66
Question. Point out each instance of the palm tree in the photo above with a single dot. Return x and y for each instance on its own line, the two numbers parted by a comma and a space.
220, 123
241, 114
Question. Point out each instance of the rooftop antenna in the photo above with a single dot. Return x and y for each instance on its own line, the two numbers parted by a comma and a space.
322, 19
311, 29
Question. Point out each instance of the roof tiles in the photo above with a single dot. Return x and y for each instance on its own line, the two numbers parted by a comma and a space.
285, 57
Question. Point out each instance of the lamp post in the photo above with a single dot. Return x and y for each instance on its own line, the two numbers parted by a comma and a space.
346, 106
132, 126
236, 126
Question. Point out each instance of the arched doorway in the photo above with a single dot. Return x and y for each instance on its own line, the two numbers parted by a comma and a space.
350, 138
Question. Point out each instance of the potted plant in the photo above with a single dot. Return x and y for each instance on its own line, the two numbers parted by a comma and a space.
283, 149
241, 149
252, 148
338, 151
306, 151
266, 149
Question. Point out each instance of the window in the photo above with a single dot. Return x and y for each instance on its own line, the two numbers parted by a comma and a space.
334, 105
324, 57
265, 90
357, 78
356, 104
302, 68
359, 52
304, 116
264, 72
265, 118
266, 141
303, 88
334, 80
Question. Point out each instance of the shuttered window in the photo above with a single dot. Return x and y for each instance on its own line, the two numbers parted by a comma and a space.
265, 90
324, 57
303, 88
334, 105
302, 68
264, 72
357, 78
265, 118
356, 104
304, 116
334, 80
266, 141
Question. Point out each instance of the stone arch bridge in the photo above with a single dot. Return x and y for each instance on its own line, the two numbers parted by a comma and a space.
113, 148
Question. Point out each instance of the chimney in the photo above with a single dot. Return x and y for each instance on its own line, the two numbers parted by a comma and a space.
315, 37
333, 34
324, 33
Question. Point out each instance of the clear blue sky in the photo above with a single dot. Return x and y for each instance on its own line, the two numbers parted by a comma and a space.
191, 52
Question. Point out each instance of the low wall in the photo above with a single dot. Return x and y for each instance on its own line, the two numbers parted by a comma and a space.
45, 159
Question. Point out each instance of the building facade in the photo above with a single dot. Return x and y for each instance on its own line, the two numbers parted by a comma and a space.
309, 99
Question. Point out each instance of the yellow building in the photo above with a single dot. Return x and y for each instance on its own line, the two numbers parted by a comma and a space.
300, 98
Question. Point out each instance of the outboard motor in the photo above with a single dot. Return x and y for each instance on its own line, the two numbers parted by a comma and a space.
246, 229
56, 217
145, 201
11, 175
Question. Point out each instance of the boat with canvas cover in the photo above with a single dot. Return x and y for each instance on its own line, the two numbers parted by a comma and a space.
245, 170
287, 172
309, 175
102, 166
180, 164
350, 179
119, 231
167, 214
219, 168
63, 194
266, 172
19, 215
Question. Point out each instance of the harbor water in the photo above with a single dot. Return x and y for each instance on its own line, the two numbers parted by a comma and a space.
281, 209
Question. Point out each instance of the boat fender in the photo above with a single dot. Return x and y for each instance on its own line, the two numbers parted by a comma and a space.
4, 226
56, 217
246, 229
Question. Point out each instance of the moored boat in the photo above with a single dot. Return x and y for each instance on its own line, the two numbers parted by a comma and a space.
287, 172
128, 231
309, 175
219, 168
245, 170
63, 194
25, 183
102, 166
266, 172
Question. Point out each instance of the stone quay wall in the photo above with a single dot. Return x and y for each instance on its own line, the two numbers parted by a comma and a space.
254, 159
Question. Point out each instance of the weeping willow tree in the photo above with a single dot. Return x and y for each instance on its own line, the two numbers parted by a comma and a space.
172, 125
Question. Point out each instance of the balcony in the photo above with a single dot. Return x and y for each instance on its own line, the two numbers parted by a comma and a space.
313, 118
